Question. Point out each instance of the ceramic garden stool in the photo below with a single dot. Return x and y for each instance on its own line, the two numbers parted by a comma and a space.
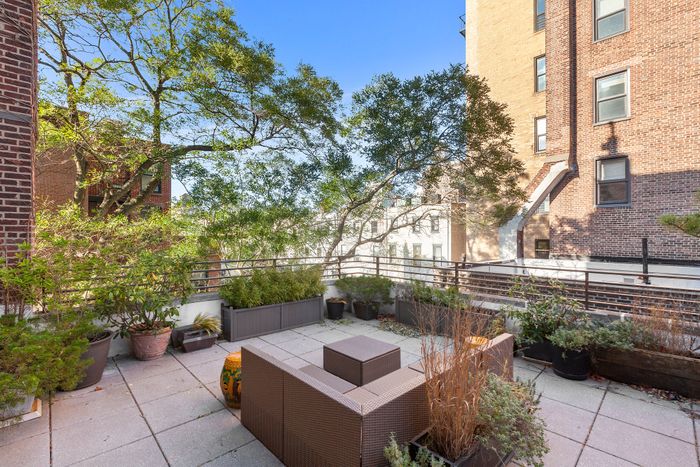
231, 380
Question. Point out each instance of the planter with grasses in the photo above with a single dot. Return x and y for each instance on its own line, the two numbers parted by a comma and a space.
658, 352
269, 301
201, 334
407, 303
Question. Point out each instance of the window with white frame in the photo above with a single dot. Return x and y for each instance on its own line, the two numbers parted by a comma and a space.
612, 97
435, 224
416, 224
417, 253
543, 208
610, 18
437, 252
392, 250
373, 227
540, 134
540, 73
612, 181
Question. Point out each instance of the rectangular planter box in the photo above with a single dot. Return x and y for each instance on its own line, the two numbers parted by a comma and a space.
481, 458
238, 324
406, 313
647, 368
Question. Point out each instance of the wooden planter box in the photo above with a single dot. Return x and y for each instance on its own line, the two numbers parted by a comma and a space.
647, 368
243, 323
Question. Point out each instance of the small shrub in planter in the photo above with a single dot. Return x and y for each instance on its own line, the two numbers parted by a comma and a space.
546, 310
367, 293
335, 307
201, 334
572, 352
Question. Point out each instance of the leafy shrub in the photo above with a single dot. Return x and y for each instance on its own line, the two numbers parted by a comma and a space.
424, 293
507, 420
270, 286
574, 338
36, 359
546, 310
366, 289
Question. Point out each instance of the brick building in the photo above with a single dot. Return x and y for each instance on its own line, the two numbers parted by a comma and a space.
622, 132
18, 86
55, 182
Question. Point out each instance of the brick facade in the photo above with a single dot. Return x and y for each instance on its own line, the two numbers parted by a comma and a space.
18, 90
661, 138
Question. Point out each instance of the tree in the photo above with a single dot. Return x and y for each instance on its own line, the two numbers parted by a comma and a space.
688, 224
441, 132
139, 84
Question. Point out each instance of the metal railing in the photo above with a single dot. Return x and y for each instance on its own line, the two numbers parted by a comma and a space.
595, 289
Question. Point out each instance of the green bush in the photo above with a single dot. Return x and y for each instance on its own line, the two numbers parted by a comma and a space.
366, 289
424, 293
546, 310
270, 286
573, 338
507, 420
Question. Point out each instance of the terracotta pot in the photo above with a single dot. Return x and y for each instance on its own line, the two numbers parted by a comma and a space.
149, 345
98, 352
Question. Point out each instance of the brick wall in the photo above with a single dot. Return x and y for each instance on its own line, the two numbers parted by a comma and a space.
661, 138
18, 71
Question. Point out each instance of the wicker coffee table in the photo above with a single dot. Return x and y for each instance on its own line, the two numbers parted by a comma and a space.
361, 359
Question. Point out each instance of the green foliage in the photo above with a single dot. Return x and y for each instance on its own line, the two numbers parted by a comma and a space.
573, 338
270, 286
131, 270
547, 309
508, 421
210, 324
22, 283
688, 224
37, 358
398, 456
424, 293
366, 289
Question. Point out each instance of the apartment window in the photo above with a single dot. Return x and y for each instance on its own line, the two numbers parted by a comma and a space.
542, 248
612, 181
416, 252
540, 73
610, 18
416, 224
543, 208
435, 224
373, 227
539, 14
376, 250
392, 250
146, 179
437, 252
612, 97
540, 134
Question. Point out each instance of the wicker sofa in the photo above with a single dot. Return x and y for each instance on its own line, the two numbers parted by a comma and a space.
307, 417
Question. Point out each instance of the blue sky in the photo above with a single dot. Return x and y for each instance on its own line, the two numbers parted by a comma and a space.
353, 40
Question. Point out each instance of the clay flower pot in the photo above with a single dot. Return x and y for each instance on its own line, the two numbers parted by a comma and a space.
149, 344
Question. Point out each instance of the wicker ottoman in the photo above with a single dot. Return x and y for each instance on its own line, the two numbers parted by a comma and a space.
361, 359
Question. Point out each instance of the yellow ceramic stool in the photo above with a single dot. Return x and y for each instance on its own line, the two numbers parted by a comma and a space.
231, 380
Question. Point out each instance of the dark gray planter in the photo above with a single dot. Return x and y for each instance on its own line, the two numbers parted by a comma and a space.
243, 323
97, 351
197, 339
483, 457
407, 313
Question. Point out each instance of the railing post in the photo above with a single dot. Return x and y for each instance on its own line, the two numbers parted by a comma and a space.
340, 267
274, 264
585, 298
457, 275
376, 264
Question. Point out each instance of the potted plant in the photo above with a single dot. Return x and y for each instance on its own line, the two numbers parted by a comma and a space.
270, 300
201, 334
368, 293
572, 351
546, 309
141, 300
335, 307
476, 418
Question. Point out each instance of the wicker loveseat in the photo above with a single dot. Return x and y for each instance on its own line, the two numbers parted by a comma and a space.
308, 417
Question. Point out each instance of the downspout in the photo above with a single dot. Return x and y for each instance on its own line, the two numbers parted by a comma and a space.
573, 122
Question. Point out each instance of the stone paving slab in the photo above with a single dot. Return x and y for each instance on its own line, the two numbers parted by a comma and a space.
589, 423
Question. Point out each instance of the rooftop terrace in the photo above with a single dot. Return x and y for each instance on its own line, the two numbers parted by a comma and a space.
170, 411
